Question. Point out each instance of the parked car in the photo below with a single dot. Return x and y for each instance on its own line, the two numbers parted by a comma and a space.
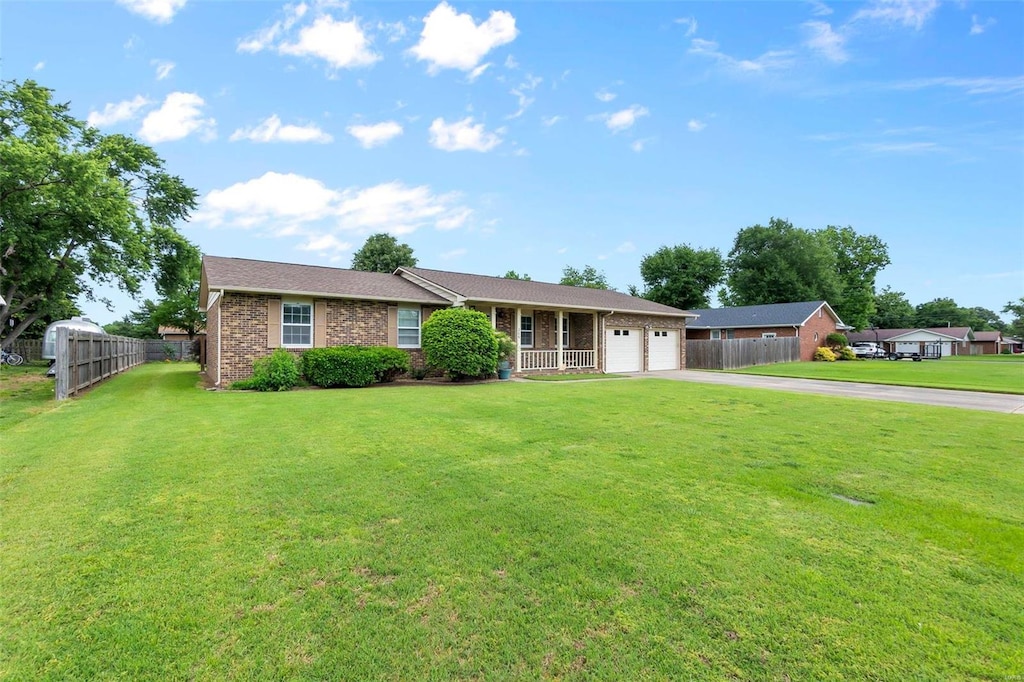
868, 349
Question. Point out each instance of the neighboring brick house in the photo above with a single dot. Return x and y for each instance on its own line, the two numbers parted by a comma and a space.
254, 306
941, 341
987, 343
811, 321
176, 334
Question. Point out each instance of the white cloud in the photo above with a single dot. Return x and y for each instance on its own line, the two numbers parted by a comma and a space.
548, 121
179, 116
375, 134
462, 135
820, 9
324, 243
910, 13
511, 63
287, 204
695, 126
478, 71
641, 144
455, 41
604, 95
39, 66
625, 247
690, 23
769, 61
271, 130
342, 44
529, 85
266, 37
624, 119
901, 147
394, 31
160, 11
163, 68
454, 253
982, 85
823, 40
979, 27
117, 112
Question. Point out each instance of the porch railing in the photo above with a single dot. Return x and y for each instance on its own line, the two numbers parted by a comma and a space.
548, 359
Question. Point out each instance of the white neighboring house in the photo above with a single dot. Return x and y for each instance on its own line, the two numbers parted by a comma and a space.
919, 341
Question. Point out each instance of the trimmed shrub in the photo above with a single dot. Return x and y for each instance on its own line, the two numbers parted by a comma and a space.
506, 346
824, 355
460, 342
278, 371
836, 340
846, 353
353, 366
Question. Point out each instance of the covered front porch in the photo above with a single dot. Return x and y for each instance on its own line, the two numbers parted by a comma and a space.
548, 340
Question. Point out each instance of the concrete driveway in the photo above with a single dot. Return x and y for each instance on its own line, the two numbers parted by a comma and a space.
968, 400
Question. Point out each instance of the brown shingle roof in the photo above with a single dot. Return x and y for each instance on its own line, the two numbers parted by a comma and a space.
988, 336
241, 274
887, 334
516, 291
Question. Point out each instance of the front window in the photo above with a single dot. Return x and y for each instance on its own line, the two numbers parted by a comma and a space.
526, 331
716, 334
565, 332
730, 333
296, 325
408, 328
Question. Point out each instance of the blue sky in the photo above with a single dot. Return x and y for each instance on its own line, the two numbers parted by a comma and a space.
531, 136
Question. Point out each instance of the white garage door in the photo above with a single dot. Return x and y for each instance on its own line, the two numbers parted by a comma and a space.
623, 348
663, 349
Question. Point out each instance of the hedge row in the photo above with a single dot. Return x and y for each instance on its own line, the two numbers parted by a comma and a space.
353, 366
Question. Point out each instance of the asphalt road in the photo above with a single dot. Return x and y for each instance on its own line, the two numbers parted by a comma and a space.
968, 400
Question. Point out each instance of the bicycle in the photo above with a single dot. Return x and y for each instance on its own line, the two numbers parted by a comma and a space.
12, 359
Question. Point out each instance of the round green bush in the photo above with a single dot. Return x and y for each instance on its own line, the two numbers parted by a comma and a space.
278, 371
460, 342
846, 353
836, 340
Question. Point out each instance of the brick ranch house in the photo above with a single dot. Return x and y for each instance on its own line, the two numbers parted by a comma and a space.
255, 306
943, 341
811, 321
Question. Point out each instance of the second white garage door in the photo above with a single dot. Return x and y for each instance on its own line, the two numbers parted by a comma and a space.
624, 348
663, 349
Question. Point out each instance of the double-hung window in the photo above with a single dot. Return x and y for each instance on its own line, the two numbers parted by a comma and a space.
565, 332
296, 325
526, 331
408, 327
716, 334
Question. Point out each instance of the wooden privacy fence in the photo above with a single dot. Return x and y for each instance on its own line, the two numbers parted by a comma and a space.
737, 353
30, 349
158, 350
87, 358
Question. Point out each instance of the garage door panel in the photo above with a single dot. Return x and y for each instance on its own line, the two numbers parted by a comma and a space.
663, 349
623, 348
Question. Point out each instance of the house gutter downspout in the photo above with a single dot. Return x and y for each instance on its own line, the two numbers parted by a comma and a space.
220, 340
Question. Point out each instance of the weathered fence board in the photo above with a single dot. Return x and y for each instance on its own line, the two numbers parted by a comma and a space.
30, 349
738, 353
87, 358
158, 350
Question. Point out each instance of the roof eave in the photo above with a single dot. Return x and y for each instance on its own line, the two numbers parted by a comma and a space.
323, 294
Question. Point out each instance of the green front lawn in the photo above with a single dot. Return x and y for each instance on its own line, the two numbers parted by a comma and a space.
968, 374
613, 530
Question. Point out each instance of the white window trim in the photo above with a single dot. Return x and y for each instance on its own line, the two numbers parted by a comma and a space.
419, 327
716, 334
768, 335
293, 324
565, 332
533, 330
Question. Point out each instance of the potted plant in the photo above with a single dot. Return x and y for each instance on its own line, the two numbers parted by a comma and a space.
506, 351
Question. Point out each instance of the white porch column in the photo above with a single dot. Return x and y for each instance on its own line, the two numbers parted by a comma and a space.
519, 338
558, 345
494, 317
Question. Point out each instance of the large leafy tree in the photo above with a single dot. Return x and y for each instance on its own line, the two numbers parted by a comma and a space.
681, 276
858, 260
76, 207
589, 277
941, 312
512, 274
382, 253
892, 310
1016, 326
780, 263
178, 267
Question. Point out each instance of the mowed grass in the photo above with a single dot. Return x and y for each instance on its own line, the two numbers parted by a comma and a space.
613, 530
968, 374
25, 391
